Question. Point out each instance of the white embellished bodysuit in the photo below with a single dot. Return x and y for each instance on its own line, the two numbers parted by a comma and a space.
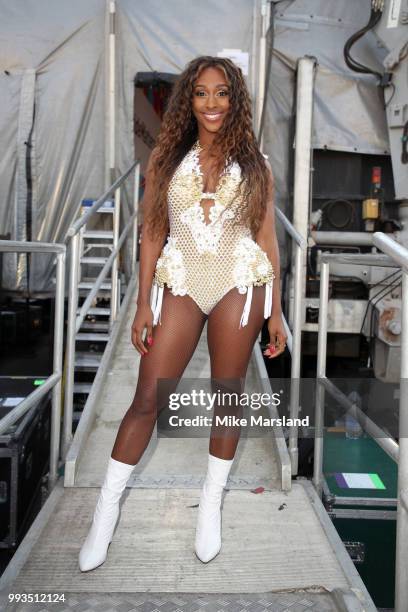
205, 260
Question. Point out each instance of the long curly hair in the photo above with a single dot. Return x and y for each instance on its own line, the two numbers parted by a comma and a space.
235, 140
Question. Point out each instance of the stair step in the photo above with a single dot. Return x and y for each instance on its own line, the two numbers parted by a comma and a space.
82, 387
107, 206
98, 245
89, 284
87, 360
95, 325
102, 209
92, 336
97, 261
98, 234
97, 311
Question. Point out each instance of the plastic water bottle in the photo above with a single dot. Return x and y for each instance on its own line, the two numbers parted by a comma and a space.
353, 427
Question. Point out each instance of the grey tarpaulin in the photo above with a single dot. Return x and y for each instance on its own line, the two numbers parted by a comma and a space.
61, 47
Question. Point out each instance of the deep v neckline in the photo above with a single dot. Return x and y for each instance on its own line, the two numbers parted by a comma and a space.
196, 150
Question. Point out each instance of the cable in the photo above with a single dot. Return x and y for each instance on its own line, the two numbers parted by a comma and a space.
375, 16
377, 294
374, 296
385, 291
390, 84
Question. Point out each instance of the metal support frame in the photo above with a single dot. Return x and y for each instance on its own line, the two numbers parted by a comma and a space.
294, 342
111, 88
400, 255
54, 380
304, 122
295, 339
265, 17
399, 452
115, 290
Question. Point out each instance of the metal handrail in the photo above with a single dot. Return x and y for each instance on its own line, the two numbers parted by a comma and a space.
75, 227
74, 320
54, 380
294, 341
399, 452
290, 228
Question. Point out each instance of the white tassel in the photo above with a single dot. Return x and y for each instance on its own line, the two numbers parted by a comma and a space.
247, 307
154, 297
268, 300
158, 305
271, 298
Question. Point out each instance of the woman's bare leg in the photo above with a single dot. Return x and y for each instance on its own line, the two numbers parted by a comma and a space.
230, 351
174, 342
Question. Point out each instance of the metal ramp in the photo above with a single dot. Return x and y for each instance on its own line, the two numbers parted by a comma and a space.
280, 549
167, 462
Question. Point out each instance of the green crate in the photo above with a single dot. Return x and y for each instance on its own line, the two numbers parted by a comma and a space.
364, 518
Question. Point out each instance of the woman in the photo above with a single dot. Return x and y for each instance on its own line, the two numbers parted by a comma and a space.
210, 186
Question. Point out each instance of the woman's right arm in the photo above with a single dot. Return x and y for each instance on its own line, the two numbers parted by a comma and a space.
149, 254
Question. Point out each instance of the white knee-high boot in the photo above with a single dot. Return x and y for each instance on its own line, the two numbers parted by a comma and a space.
208, 531
94, 550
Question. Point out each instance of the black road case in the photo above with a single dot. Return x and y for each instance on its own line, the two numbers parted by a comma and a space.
365, 518
24, 457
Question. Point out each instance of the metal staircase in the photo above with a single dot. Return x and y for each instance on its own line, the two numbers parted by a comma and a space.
95, 246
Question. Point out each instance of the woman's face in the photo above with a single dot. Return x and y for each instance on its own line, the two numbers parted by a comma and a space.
210, 99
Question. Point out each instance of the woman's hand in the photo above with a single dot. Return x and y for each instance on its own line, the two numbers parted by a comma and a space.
143, 318
277, 335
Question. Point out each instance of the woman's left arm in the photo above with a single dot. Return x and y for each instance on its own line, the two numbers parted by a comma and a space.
267, 240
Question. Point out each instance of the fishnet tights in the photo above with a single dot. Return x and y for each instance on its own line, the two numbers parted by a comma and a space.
174, 343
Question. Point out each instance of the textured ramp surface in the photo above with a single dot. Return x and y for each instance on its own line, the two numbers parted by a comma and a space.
304, 601
271, 541
182, 462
